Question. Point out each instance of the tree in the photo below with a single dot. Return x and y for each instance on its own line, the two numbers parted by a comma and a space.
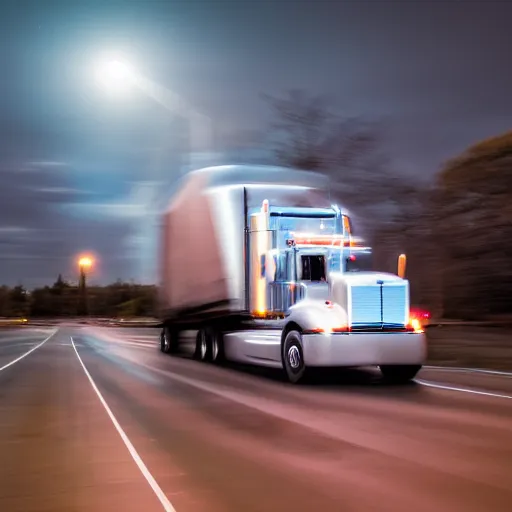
19, 301
308, 135
59, 286
474, 219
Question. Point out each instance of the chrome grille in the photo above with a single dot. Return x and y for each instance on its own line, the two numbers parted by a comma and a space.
394, 299
368, 309
365, 305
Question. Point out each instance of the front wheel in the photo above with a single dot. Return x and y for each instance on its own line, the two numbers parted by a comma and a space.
293, 357
399, 374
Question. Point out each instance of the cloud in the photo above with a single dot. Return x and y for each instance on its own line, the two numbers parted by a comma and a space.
116, 210
13, 230
39, 239
47, 164
61, 190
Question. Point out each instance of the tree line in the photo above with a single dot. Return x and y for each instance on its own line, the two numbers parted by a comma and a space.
120, 299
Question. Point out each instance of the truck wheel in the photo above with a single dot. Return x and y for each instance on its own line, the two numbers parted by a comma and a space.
203, 345
169, 339
217, 344
399, 374
293, 357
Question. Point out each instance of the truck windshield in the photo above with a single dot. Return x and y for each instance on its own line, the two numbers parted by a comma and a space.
289, 227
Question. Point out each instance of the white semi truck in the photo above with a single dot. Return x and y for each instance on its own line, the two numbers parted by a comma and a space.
267, 270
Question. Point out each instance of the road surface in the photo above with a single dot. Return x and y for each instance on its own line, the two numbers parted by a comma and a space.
97, 419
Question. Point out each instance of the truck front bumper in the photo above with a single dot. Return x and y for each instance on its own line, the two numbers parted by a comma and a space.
364, 349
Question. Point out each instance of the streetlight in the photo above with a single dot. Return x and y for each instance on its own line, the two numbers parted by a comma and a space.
85, 263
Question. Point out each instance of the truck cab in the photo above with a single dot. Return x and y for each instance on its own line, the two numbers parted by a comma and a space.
294, 252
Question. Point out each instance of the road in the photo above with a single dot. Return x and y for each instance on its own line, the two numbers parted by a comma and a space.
97, 419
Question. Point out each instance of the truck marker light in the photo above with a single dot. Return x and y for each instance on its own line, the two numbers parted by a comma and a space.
402, 261
414, 325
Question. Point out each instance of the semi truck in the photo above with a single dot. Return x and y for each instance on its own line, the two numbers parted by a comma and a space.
266, 268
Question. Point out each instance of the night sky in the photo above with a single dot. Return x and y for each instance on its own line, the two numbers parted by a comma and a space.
79, 167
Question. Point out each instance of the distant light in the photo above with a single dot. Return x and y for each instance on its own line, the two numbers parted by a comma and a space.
85, 262
114, 75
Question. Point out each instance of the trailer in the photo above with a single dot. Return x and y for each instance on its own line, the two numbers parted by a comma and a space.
262, 263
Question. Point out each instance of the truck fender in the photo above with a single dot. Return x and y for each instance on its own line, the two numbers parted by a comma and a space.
311, 316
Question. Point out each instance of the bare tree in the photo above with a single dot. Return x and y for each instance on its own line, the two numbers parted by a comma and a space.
309, 135
392, 210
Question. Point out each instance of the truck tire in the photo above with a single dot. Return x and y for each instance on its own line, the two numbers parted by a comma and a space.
169, 339
217, 344
203, 345
399, 374
293, 357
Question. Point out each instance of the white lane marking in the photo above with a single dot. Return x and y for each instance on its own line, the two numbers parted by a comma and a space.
463, 390
133, 452
469, 370
29, 352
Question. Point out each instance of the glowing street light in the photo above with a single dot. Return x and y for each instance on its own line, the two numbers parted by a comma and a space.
85, 263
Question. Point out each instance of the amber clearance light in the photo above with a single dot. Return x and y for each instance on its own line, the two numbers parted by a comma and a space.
414, 325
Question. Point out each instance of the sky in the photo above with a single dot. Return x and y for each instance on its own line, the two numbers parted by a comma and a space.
81, 169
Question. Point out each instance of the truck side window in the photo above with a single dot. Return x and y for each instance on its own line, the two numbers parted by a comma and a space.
282, 267
313, 268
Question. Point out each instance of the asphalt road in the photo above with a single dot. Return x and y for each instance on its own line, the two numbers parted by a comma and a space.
97, 419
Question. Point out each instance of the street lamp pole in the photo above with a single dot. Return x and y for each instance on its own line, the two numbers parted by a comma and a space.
84, 264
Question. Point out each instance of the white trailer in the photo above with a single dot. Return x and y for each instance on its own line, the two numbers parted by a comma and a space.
260, 262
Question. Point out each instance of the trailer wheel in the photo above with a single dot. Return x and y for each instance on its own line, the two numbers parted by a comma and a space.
293, 357
169, 339
203, 345
399, 374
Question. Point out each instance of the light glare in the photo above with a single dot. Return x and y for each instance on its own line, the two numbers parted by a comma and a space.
114, 75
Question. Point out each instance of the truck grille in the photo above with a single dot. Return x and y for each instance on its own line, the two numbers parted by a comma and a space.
370, 309
394, 299
366, 308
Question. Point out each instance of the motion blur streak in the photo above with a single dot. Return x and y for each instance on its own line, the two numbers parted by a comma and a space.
29, 352
133, 452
